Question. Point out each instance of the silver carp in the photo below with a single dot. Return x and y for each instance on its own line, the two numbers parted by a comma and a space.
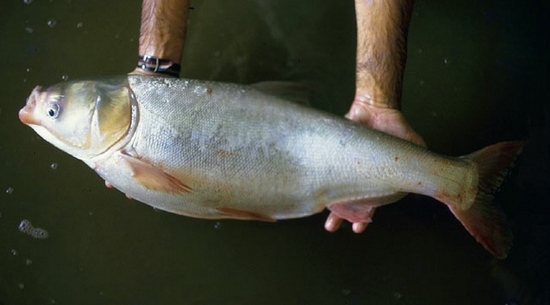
219, 150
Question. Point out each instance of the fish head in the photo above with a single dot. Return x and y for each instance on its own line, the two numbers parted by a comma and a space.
82, 118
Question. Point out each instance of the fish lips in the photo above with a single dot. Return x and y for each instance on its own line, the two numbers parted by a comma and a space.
26, 114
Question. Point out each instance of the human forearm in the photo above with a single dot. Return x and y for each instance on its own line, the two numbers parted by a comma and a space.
381, 50
163, 28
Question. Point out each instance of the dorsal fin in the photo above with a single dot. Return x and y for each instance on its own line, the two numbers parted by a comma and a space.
294, 92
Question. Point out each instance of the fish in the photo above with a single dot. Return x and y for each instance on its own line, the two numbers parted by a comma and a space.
215, 150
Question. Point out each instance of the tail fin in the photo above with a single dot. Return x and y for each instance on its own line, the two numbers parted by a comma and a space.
485, 221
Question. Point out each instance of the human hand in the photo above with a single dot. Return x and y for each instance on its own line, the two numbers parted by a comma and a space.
382, 118
386, 119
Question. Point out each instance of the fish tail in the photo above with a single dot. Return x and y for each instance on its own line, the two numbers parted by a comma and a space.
484, 220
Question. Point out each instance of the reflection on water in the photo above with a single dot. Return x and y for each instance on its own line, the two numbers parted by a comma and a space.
476, 74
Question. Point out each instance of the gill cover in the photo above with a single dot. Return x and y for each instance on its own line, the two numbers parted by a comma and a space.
113, 114
94, 115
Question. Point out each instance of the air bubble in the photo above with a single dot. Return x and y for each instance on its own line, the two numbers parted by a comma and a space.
52, 22
217, 225
29, 29
53, 166
79, 25
64, 77
21, 285
14, 252
40, 233
446, 61
25, 226
27, 1
28, 262
9, 190
397, 295
28, 70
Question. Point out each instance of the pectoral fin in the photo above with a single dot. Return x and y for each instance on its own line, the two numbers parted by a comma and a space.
245, 215
152, 177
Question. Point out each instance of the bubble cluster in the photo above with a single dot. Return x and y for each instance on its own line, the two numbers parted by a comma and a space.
9, 190
26, 227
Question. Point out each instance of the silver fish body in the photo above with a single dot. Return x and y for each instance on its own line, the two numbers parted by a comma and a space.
218, 150
237, 147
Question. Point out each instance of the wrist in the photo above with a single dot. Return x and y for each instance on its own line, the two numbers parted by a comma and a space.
375, 97
150, 65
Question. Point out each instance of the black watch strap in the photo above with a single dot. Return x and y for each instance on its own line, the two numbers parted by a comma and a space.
159, 65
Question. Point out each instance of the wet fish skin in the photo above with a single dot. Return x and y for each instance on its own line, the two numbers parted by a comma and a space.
219, 150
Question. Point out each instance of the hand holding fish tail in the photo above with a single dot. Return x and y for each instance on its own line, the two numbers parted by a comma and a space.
382, 28
388, 120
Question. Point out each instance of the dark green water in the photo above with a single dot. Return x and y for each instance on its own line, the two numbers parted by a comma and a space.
477, 73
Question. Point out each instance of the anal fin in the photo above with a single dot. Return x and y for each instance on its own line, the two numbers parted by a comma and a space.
361, 210
245, 215
353, 211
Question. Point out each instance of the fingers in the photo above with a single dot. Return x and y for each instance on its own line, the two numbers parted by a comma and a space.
333, 222
359, 227
109, 185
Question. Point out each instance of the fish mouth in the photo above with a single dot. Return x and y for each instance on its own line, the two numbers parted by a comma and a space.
26, 114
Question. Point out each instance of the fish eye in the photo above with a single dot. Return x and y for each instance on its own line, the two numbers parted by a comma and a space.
53, 110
